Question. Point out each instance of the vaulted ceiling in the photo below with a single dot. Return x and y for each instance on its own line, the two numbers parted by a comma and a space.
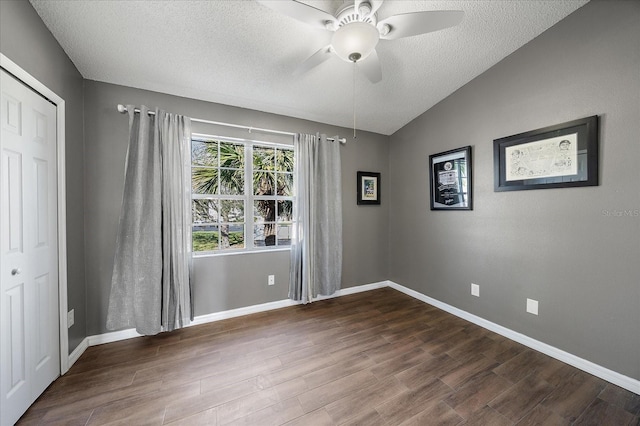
241, 53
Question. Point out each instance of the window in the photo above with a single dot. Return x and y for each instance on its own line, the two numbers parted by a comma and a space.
242, 195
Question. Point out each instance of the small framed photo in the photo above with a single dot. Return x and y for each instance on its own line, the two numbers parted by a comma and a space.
450, 180
368, 188
559, 156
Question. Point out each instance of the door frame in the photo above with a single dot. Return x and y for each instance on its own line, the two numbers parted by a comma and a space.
43, 90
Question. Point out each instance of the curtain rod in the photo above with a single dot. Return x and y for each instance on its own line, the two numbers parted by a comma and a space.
123, 109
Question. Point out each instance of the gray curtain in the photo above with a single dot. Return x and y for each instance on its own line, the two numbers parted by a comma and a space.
150, 285
316, 248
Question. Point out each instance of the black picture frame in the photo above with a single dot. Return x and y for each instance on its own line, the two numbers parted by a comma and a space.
368, 188
559, 156
451, 180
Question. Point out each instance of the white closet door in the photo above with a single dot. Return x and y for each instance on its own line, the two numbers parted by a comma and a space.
29, 321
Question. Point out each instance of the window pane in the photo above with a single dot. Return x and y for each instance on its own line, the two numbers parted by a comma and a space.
231, 155
284, 235
263, 183
205, 238
263, 158
232, 210
264, 211
204, 211
264, 235
204, 153
232, 236
285, 211
231, 182
284, 160
204, 180
285, 184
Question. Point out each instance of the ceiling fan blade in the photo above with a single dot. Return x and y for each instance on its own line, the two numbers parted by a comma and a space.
375, 5
308, 14
370, 66
314, 60
410, 24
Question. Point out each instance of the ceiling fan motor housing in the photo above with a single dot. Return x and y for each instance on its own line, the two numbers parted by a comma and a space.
349, 14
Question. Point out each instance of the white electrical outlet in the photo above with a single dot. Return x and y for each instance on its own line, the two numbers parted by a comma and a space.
532, 306
70, 318
271, 280
475, 290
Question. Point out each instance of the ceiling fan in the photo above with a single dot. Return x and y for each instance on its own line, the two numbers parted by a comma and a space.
357, 30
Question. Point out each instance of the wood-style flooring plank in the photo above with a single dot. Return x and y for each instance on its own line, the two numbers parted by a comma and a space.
543, 416
246, 405
367, 359
276, 414
369, 418
341, 388
315, 418
411, 402
144, 408
531, 391
438, 414
203, 418
617, 396
600, 412
570, 398
486, 416
364, 399
400, 363
476, 392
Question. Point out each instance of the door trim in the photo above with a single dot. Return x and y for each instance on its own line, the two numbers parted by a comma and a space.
43, 90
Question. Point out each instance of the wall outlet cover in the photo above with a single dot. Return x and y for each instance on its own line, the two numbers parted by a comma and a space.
70, 318
475, 290
271, 280
532, 306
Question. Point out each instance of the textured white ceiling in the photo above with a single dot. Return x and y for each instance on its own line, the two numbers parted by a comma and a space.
241, 53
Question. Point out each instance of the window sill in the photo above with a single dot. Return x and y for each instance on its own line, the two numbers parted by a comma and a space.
233, 253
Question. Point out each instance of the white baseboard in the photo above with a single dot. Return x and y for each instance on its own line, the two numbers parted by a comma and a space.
79, 350
114, 336
611, 376
353, 290
232, 313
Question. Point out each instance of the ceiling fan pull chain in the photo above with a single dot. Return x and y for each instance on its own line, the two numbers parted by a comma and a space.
354, 99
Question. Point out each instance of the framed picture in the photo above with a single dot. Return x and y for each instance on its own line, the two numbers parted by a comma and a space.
368, 188
450, 180
557, 156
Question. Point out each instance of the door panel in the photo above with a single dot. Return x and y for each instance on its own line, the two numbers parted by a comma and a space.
29, 322
42, 201
18, 344
11, 202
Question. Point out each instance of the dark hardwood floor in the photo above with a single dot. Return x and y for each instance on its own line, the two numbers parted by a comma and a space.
373, 358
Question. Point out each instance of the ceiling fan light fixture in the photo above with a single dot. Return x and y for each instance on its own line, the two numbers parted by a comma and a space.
355, 41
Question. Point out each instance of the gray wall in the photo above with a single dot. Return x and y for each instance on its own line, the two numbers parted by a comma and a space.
558, 246
26, 41
228, 281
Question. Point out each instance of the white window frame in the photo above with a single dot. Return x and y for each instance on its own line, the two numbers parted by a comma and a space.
248, 197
